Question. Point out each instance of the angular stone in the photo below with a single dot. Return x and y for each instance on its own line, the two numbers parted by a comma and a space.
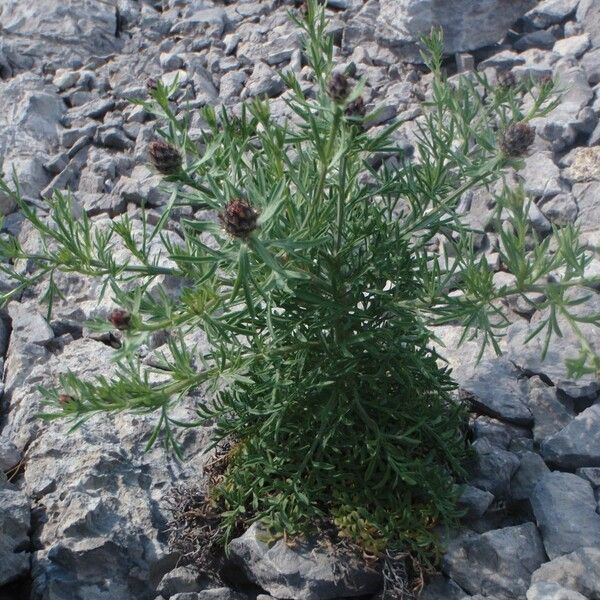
467, 24
560, 210
531, 469
474, 501
527, 355
549, 414
551, 12
72, 30
562, 126
565, 510
14, 533
180, 580
586, 196
29, 327
440, 588
578, 571
212, 594
541, 175
497, 391
492, 468
9, 455
304, 572
544, 590
584, 165
497, 563
573, 46
591, 474
577, 444
588, 14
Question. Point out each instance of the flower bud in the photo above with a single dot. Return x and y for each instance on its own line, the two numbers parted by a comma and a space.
516, 139
120, 318
165, 157
151, 85
506, 79
356, 108
239, 218
65, 399
339, 87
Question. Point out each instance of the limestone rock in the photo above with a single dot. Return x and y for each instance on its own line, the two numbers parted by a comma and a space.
302, 572
565, 510
14, 533
497, 563
577, 444
496, 390
578, 571
467, 24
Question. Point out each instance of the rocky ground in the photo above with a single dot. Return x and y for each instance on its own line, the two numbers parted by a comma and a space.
83, 515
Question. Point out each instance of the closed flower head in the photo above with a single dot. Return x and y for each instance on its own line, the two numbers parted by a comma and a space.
239, 218
339, 87
516, 139
165, 157
356, 108
120, 318
65, 399
506, 79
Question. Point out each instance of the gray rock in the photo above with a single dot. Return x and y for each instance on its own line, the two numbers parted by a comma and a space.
497, 563
142, 186
565, 510
561, 126
591, 474
72, 31
492, 468
496, 390
466, 25
100, 500
583, 165
559, 210
577, 444
549, 414
544, 590
440, 588
9, 455
302, 572
97, 109
578, 571
264, 81
28, 326
497, 432
541, 177
535, 39
31, 175
213, 594
209, 22
180, 580
531, 469
528, 355
474, 501
14, 533
113, 137
588, 216
573, 46
588, 14
551, 12
591, 65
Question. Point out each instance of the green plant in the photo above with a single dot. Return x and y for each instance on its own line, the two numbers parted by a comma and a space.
317, 292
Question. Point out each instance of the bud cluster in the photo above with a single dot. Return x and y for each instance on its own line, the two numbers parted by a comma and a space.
120, 318
165, 157
516, 139
239, 218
